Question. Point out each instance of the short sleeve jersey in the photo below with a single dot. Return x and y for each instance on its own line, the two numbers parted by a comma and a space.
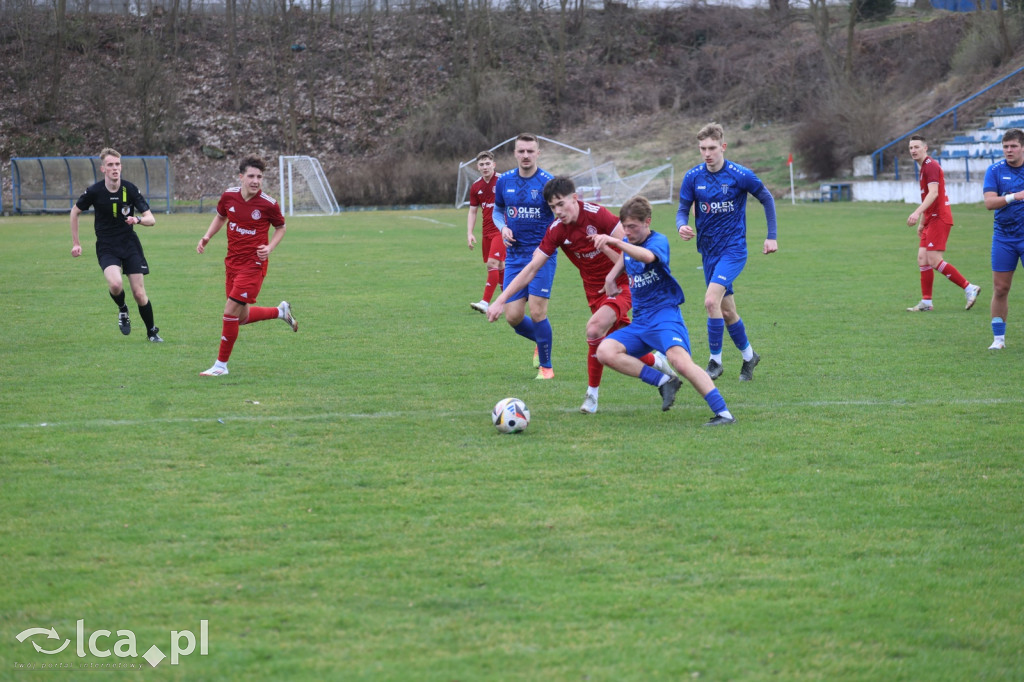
721, 205
1002, 178
939, 211
575, 242
521, 201
482, 194
113, 207
652, 285
248, 224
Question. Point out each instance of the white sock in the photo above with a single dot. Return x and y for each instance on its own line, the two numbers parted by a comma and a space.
592, 390
748, 353
717, 357
725, 413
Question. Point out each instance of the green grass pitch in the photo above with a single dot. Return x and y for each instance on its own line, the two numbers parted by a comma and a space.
339, 506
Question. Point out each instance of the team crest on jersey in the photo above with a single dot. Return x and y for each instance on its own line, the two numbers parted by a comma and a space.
534, 194
591, 230
256, 215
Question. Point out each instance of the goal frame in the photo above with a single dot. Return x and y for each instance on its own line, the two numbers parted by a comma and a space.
320, 188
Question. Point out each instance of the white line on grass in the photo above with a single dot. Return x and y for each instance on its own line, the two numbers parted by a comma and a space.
337, 416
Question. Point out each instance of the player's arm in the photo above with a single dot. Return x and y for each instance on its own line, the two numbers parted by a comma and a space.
76, 246
635, 252
995, 201
146, 219
683, 214
470, 225
215, 225
764, 195
929, 199
520, 282
498, 217
263, 251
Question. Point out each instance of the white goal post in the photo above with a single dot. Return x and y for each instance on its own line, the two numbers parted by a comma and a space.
304, 187
598, 183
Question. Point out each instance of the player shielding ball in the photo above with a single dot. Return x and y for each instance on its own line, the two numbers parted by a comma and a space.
481, 199
657, 321
248, 213
575, 223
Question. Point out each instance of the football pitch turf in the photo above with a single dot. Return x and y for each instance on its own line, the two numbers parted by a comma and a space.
339, 506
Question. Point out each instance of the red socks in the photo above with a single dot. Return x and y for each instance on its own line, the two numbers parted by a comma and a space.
493, 282
927, 277
952, 274
228, 336
258, 314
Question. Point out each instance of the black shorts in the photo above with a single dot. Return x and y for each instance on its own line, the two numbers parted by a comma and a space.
125, 252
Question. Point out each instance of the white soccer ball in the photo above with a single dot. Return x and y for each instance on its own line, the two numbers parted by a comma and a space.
510, 415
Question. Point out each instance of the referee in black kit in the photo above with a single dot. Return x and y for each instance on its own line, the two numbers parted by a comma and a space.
118, 205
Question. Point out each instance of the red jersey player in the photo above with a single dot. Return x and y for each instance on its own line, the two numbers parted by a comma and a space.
249, 213
481, 195
574, 222
934, 229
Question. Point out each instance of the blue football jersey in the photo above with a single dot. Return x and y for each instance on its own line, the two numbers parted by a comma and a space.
1002, 178
721, 206
519, 203
652, 284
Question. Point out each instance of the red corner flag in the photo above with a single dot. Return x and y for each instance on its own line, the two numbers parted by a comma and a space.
790, 162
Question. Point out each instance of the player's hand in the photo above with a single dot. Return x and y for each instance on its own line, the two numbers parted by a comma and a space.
686, 232
263, 251
494, 311
201, 246
76, 250
611, 288
472, 241
770, 246
600, 240
508, 237
912, 220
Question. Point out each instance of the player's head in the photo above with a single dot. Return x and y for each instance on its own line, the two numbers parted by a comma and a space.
485, 164
1013, 147
711, 142
560, 195
250, 173
110, 164
527, 150
918, 147
635, 216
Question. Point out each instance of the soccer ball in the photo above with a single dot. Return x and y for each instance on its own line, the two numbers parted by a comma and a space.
510, 415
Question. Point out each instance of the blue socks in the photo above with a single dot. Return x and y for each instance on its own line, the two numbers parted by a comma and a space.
738, 334
543, 334
715, 401
998, 326
716, 330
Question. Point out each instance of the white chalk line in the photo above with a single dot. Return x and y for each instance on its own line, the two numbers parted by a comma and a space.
738, 407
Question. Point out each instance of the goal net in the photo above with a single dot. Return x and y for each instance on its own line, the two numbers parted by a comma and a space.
304, 187
598, 183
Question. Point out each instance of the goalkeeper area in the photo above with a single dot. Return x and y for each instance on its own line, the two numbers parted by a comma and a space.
597, 183
305, 190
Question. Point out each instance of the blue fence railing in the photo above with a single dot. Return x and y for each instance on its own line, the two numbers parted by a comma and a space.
878, 156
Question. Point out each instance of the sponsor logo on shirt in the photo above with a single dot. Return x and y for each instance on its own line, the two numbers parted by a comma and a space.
646, 279
240, 230
524, 212
714, 207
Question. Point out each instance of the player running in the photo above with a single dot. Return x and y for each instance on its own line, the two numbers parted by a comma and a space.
575, 222
719, 189
249, 213
522, 215
657, 322
481, 196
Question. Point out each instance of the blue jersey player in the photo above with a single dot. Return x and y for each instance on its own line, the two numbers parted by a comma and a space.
657, 322
719, 189
1004, 188
523, 216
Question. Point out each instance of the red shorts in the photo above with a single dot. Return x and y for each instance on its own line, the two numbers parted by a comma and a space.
493, 246
934, 235
243, 284
620, 304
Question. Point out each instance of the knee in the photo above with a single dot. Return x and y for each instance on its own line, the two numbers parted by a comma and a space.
605, 354
713, 307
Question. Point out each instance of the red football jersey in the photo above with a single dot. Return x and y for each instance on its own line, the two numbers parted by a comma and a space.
248, 224
939, 210
482, 194
573, 240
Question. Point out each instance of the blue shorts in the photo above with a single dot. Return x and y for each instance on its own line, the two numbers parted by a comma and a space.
540, 285
660, 331
1006, 252
724, 268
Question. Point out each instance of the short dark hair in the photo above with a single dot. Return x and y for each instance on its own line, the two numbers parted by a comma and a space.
252, 162
1014, 135
918, 138
636, 207
559, 186
485, 155
527, 137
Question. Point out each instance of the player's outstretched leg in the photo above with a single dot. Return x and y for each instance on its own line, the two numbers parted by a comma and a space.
284, 312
